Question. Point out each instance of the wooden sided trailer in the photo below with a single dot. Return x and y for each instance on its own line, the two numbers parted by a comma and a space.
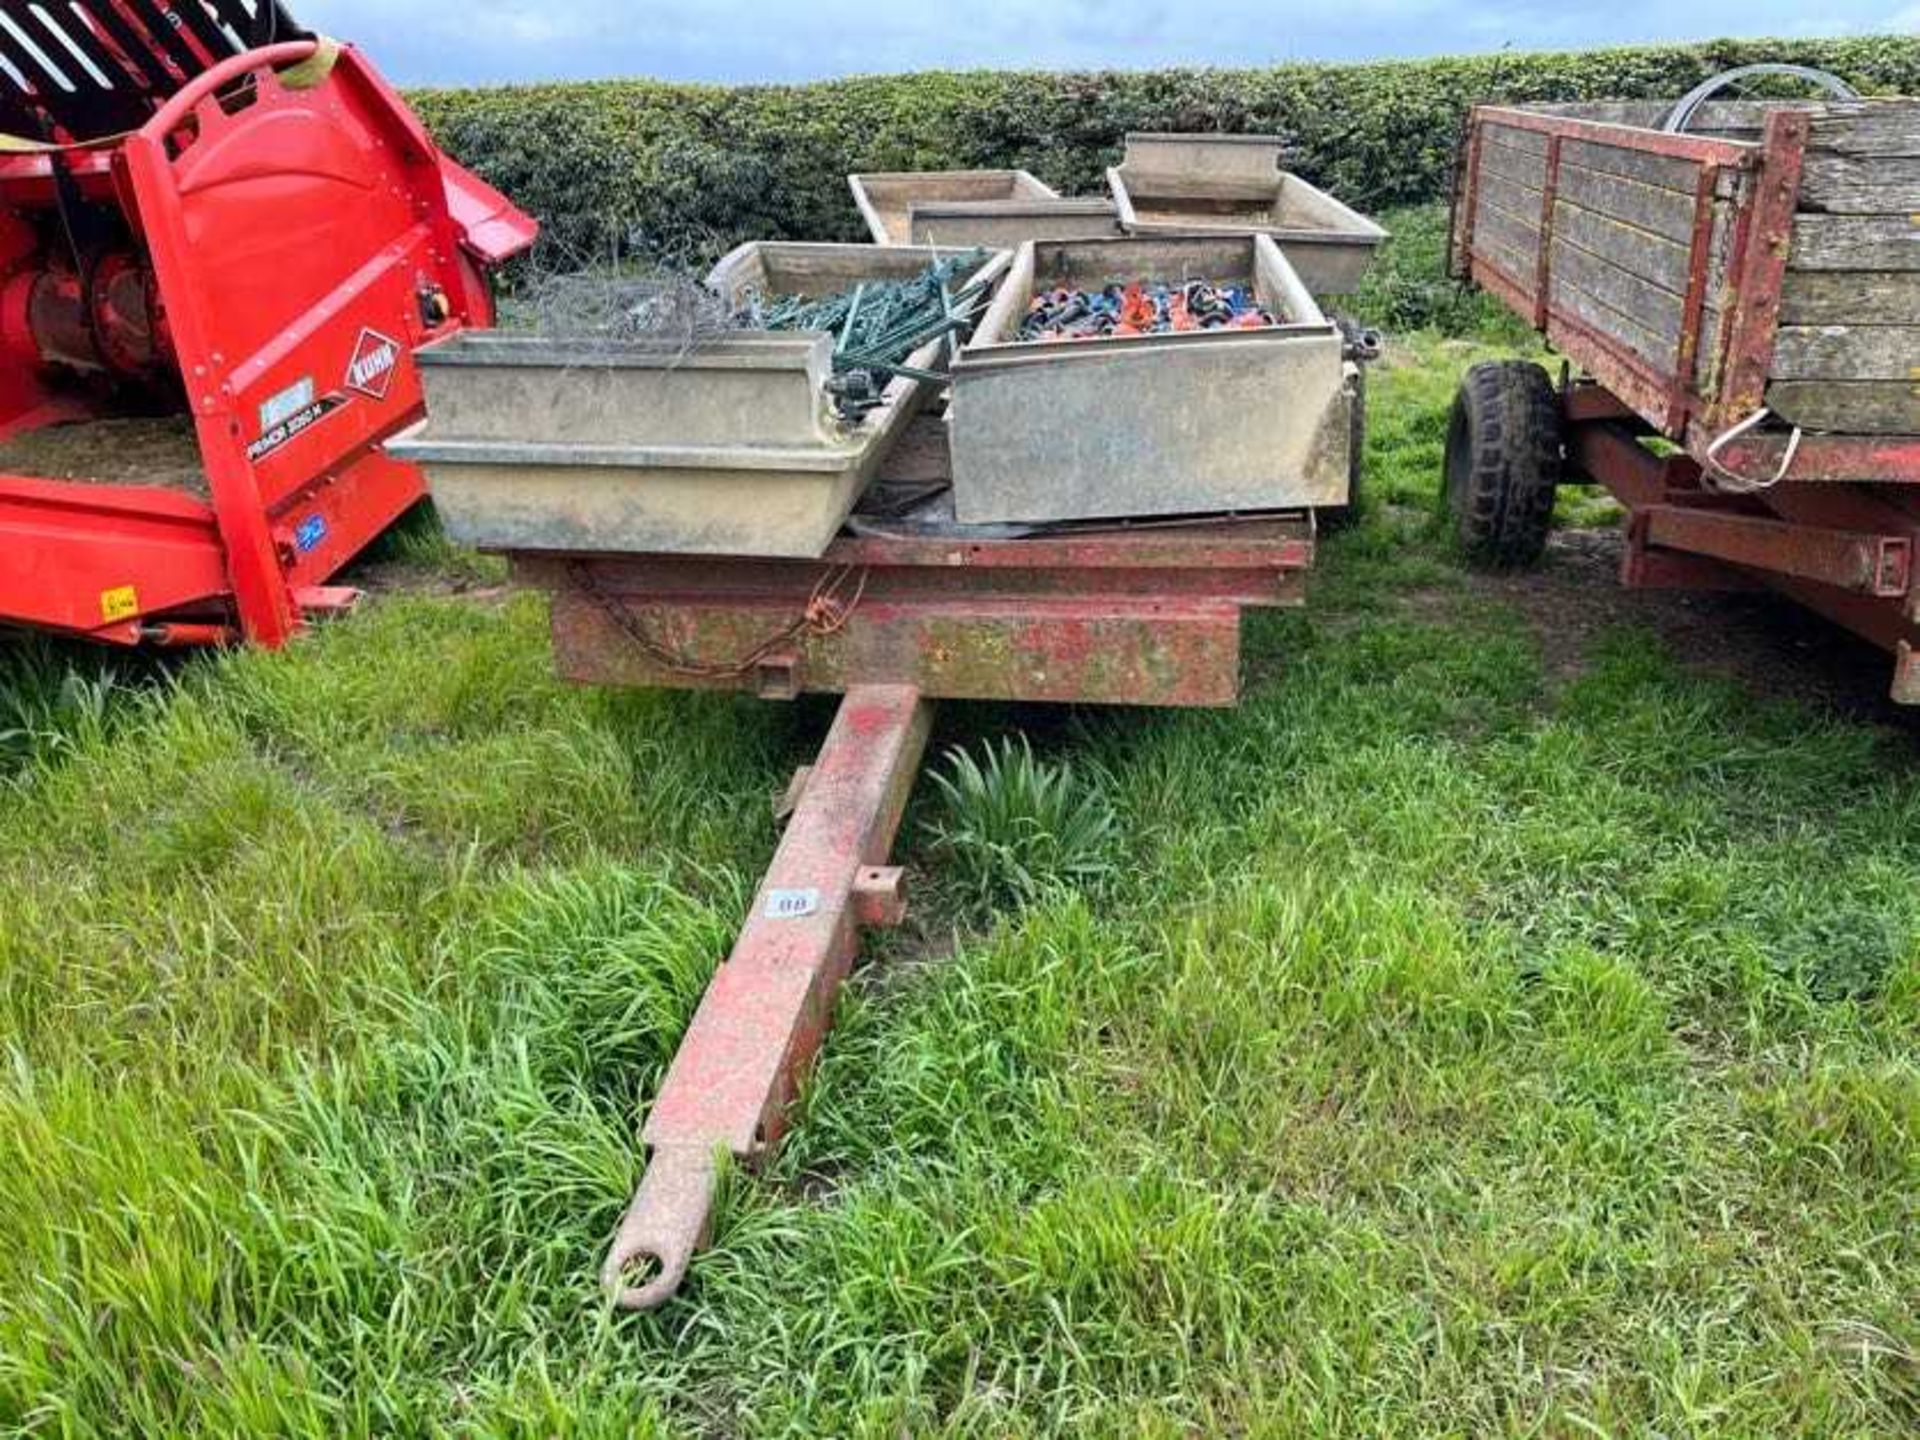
1740, 280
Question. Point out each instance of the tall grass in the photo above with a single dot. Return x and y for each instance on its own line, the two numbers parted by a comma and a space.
55, 700
1015, 827
1437, 1045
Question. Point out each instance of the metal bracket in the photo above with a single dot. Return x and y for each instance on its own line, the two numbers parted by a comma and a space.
795, 792
777, 676
1906, 675
314, 601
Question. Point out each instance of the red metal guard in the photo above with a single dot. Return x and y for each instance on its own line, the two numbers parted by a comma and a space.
768, 1007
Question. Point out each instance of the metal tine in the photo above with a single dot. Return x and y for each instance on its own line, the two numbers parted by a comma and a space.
209, 34
80, 37
853, 314
154, 70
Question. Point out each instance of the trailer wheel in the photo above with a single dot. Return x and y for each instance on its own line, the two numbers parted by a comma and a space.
1504, 447
1342, 517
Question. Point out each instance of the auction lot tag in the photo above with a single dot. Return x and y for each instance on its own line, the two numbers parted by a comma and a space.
792, 904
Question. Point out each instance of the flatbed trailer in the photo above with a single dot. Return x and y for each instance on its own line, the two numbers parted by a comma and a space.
898, 613
221, 240
1738, 306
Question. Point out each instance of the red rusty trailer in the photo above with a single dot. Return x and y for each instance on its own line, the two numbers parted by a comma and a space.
221, 240
1748, 293
893, 617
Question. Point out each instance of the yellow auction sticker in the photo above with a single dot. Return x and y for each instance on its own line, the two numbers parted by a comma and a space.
119, 603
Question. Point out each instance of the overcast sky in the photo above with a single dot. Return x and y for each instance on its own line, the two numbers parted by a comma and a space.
469, 41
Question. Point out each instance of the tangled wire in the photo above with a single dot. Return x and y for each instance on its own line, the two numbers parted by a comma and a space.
617, 296
877, 325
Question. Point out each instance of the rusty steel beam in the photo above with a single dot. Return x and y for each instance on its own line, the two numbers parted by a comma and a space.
1609, 453
1142, 617
768, 1006
1877, 565
1819, 459
1643, 568
1647, 567
1685, 392
1702, 148
1584, 402
1118, 652
1759, 267
1872, 509
1245, 560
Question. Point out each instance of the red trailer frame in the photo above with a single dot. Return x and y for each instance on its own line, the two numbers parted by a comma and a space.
1149, 615
1837, 533
305, 236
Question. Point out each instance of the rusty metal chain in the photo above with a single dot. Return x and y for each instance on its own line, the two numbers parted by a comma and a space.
825, 613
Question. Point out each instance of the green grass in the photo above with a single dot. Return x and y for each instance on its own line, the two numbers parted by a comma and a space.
1436, 1045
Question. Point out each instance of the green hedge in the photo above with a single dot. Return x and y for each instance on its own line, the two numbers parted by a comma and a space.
691, 169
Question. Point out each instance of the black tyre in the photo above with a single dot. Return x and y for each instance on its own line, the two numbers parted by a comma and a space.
1504, 455
1340, 517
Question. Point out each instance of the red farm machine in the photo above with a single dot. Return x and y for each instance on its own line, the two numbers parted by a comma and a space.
1735, 286
221, 240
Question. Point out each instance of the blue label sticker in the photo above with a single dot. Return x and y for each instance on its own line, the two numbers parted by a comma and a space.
312, 531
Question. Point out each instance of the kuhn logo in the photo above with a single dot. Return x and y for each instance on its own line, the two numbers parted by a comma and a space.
370, 371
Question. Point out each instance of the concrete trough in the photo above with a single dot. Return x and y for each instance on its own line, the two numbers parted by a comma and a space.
535, 443
1156, 425
956, 209
1233, 184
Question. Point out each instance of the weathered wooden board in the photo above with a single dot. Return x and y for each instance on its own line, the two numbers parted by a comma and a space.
1623, 225
1518, 242
1856, 242
1847, 357
1848, 352
1844, 297
1715, 119
1666, 213
1667, 171
1532, 142
1706, 354
1660, 352
1846, 185
1650, 307
1514, 201
1529, 165
1521, 267
1520, 166
1878, 128
1853, 407
1662, 261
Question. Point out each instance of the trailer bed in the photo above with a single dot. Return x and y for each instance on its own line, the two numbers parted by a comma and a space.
1770, 259
1107, 613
